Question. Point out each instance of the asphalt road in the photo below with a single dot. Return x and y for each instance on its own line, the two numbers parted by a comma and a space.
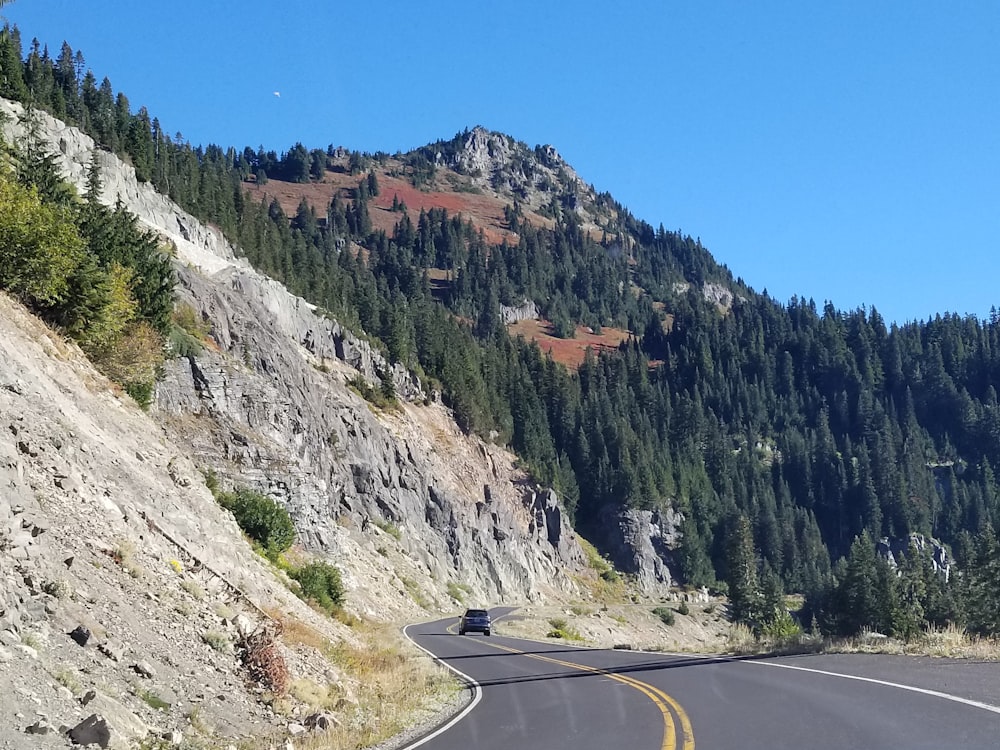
543, 696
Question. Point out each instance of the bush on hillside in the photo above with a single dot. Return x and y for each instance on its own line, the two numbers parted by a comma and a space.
666, 615
320, 583
261, 519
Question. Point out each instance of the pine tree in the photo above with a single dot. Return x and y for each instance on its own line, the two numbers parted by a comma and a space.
912, 593
746, 599
858, 602
981, 585
12, 84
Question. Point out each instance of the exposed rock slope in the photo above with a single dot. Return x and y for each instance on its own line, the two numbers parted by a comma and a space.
272, 411
123, 581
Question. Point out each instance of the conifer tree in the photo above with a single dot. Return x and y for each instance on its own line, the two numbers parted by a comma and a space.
746, 599
981, 585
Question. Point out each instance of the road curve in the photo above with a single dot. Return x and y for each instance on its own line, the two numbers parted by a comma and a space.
543, 696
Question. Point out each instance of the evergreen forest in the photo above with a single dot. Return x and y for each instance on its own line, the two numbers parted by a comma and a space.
792, 437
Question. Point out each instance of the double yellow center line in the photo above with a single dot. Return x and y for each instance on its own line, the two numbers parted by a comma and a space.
667, 705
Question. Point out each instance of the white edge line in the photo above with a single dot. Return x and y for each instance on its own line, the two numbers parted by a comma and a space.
477, 696
911, 688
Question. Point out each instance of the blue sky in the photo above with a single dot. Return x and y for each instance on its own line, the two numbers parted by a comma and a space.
844, 151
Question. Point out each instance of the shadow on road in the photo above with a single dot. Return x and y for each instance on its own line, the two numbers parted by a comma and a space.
621, 669
651, 665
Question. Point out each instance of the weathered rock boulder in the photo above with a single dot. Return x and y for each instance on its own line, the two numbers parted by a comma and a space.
527, 310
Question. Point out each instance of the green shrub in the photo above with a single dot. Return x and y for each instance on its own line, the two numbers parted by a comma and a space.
183, 344
187, 332
684, 609
186, 318
384, 397
141, 393
154, 701
455, 591
390, 529
320, 583
665, 614
561, 629
782, 626
594, 559
261, 519
218, 641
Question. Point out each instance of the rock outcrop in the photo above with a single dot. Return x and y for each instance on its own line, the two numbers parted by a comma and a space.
527, 310
892, 549
534, 177
639, 543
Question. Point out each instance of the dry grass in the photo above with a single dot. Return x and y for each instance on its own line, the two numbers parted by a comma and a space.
950, 641
124, 554
388, 685
485, 211
569, 352
318, 697
741, 640
297, 633
193, 588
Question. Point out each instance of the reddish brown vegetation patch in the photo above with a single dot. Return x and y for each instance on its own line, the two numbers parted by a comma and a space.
484, 211
569, 352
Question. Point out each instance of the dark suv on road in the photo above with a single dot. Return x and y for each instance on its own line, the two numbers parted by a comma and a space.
475, 621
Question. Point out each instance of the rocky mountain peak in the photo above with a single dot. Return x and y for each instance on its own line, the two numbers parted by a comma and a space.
497, 162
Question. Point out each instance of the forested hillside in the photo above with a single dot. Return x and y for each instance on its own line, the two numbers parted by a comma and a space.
790, 435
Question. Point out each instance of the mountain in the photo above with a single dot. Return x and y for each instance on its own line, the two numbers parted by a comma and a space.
708, 425
702, 400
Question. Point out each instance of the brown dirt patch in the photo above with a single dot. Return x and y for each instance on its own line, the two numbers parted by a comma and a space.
569, 352
485, 212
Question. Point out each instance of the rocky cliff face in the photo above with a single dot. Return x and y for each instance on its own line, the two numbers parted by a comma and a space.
511, 168
894, 549
270, 409
534, 177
